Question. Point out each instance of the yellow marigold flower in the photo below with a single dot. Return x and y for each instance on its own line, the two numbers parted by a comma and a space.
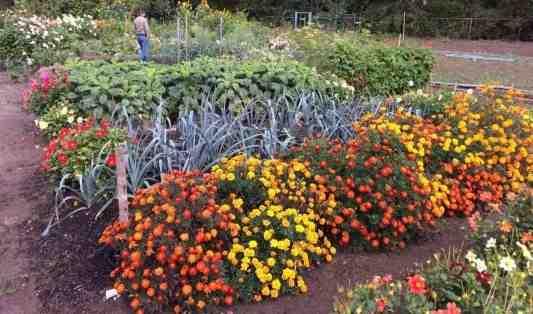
271, 261
230, 177
276, 284
267, 234
252, 244
249, 252
265, 291
237, 203
274, 294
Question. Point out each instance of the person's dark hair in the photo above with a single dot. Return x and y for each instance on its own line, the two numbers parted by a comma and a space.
139, 12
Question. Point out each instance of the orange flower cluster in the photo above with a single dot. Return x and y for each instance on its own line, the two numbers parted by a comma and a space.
172, 248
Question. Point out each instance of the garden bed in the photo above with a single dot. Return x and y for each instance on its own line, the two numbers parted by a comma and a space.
72, 270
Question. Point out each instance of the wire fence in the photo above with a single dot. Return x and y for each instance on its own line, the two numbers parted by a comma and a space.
419, 26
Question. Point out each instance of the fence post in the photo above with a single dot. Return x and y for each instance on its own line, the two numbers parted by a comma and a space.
470, 28
121, 155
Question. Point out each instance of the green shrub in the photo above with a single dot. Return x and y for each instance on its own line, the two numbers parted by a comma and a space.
99, 88
380, 70
234, 84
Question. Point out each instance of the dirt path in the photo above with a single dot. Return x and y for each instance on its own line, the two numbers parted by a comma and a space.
19, 159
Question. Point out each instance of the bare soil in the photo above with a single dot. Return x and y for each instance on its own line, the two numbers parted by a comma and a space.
514, 48
67, 272
19, 191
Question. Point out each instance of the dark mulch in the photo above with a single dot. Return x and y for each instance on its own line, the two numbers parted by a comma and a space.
72, 270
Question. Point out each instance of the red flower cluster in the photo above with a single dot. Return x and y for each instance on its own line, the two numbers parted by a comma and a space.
171, 249
383, 202
75, 147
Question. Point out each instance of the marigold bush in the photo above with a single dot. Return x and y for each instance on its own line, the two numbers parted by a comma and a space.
382, 199
276, 204
275, 245
172, 247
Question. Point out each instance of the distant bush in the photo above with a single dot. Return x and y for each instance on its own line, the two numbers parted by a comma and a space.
380, 70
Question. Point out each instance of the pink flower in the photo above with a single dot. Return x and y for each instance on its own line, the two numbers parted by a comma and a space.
451, 308
473, 220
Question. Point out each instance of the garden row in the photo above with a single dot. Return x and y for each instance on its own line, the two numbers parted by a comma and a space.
248, 227
369, 66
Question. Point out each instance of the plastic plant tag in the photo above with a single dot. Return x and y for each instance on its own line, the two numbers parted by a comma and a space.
111, 294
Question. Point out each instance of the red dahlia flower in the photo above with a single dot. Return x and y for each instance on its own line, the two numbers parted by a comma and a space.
417, 284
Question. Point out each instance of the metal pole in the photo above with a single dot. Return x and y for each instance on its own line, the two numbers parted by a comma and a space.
470, 28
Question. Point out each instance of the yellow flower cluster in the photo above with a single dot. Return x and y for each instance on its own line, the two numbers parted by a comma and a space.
281, 182
496, 134
275, 244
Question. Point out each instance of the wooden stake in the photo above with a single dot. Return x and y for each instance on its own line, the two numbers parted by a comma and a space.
121, 155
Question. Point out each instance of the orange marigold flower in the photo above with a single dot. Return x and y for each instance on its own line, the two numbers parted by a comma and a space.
527, 237
506, 226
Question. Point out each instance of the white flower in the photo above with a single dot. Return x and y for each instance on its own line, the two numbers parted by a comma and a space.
419, 92
43, 125
70, 119
79, 120
480, 265
470, 256
29, 61
470, 91
411, 83
507, 264
64, 110
525, 251
491, 243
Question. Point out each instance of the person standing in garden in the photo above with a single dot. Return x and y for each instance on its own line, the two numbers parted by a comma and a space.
143, 34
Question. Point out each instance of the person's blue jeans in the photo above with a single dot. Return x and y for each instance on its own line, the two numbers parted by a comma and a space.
144, 47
